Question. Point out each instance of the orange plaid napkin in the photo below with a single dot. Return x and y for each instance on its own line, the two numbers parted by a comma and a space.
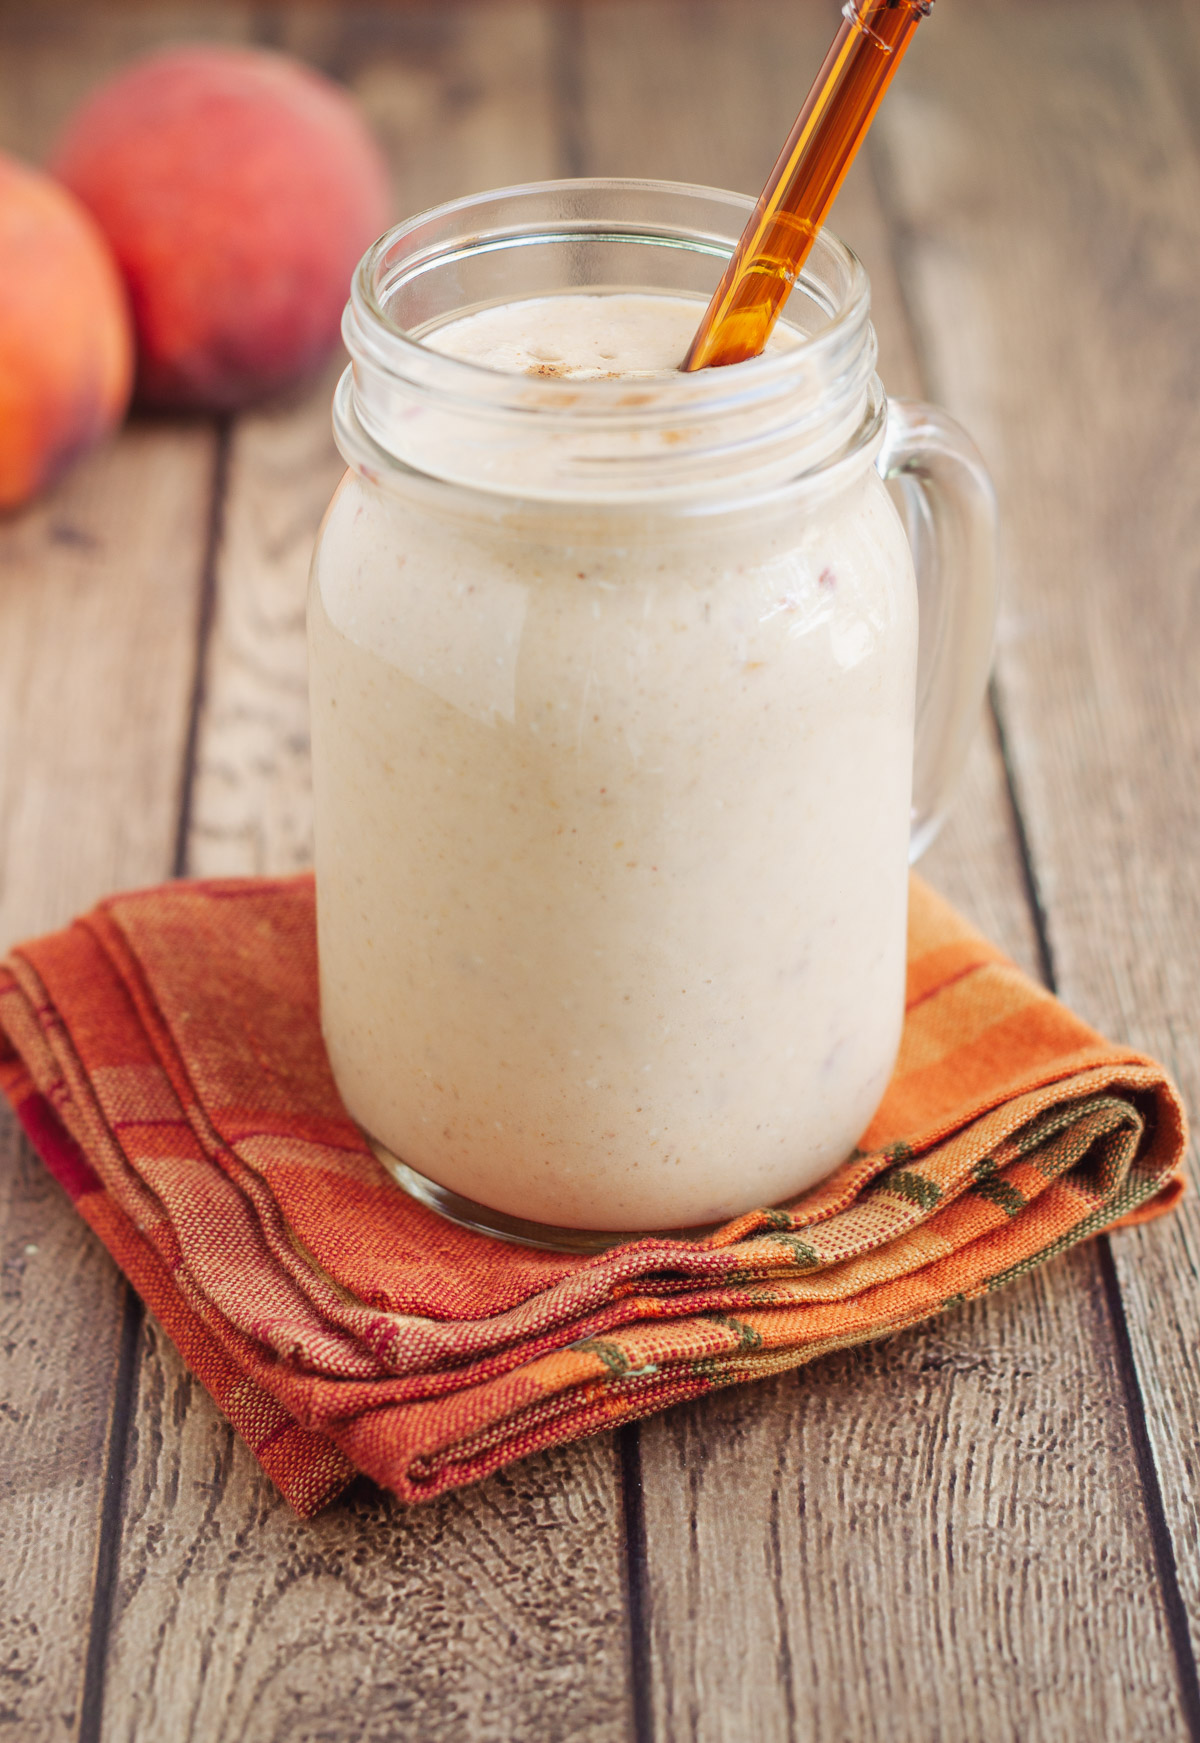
164, 1056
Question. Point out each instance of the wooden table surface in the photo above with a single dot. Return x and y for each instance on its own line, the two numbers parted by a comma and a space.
982, 1530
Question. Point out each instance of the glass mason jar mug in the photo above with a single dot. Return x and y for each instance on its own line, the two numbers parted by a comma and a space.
614, 685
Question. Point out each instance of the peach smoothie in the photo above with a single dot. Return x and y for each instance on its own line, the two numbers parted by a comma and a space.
612, 814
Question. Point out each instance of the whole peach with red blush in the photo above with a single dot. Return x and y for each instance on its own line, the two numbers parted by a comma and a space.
66, 343
238, 189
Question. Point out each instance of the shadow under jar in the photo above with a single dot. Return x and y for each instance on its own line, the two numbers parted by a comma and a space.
613, 686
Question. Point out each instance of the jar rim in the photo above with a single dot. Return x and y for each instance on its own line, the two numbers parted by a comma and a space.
394, 348
780, 416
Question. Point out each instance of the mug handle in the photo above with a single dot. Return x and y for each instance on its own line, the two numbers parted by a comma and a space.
945, 497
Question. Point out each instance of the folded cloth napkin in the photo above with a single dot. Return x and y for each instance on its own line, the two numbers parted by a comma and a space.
164, 1056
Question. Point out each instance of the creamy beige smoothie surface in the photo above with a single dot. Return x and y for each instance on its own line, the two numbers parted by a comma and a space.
611, 830
627, 335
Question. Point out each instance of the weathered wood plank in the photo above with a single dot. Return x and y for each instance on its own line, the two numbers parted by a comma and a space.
493, 1614
896, 1543
99, 591
251, 804
1059, 308
60, 1337
498, 1613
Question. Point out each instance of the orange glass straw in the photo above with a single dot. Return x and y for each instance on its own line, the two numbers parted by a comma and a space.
802, 187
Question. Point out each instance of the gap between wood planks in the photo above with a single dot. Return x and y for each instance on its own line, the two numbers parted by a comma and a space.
1135, 1409
108, 1548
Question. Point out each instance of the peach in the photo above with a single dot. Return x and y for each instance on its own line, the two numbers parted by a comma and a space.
66, 344
238, 190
